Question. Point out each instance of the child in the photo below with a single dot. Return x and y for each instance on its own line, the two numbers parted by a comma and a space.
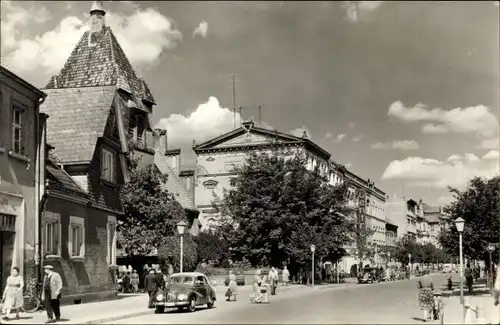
438, 309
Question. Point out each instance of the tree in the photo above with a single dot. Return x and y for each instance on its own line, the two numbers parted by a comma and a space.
479, 206
169, 253
404, 246
150, 212
277, 208
212, 247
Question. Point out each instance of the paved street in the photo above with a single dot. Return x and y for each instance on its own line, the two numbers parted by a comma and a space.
383, 303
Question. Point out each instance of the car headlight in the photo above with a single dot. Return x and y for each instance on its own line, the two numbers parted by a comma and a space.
159, 297
182, 296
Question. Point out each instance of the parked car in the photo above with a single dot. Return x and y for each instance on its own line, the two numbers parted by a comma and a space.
240, 279
367, 276
185, 291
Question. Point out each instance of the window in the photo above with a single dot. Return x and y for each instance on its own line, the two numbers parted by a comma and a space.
76, 235
17, 129
111, 229
51, 233
107, 165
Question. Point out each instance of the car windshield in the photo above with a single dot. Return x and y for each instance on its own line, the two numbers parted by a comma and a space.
181, 279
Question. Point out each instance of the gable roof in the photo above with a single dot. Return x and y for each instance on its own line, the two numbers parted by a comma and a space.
102, 64
281, 137
77, 118
173, 183
61, 181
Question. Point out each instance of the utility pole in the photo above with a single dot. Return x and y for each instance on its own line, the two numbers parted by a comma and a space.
234, 101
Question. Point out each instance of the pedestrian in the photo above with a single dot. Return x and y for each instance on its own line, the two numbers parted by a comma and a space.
285, 275
134, 280
51, 293
496, 292
273, 280
160, 280
256, 284
126, 282
469, 277
426, 296
151, 286
13, 294
233, 287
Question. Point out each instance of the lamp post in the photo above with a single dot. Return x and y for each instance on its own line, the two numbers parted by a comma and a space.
181, 228
459, 223
490, 249
409, 264
388, 258
313, 249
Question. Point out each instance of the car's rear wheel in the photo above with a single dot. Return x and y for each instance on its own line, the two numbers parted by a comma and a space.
159, 309
192, 304
211, 302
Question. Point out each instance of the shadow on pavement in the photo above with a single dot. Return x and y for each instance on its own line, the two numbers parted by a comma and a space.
418, 319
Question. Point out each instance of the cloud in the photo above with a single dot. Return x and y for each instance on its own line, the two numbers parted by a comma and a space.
493, 143
445, 200
209, 120
144, 35
455, 171
357, 10
201, 30
358, 138
474, 119
299, 131
348, 165
400, 145
340, 137
351, 125
328, 135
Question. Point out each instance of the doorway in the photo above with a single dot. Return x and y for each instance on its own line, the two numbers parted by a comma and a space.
6, 255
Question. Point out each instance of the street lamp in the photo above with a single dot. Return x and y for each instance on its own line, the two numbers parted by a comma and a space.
388, 258
490, 249
459, 223
313, 249
181, 228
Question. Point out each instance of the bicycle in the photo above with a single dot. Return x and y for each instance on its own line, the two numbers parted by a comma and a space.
32, 301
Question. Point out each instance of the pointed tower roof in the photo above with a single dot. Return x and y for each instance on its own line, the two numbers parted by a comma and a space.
98, 60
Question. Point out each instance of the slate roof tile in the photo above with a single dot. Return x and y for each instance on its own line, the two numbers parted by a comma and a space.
77, 118
173, 183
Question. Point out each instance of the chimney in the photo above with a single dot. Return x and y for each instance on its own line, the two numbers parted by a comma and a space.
160, 141
304, 135
97, 14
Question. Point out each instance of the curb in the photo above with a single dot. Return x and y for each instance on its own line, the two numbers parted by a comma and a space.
117, 317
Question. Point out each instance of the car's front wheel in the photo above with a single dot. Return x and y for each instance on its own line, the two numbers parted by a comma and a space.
192, 304
159, 309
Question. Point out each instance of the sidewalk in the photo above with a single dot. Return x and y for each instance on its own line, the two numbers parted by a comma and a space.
454, 311
127, 306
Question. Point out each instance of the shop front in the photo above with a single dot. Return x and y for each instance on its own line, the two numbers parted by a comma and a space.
10, 235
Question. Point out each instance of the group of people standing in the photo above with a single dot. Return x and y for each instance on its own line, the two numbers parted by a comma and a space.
51, 294
265, 285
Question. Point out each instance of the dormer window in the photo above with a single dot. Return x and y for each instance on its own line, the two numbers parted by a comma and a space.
137, 127
108, 166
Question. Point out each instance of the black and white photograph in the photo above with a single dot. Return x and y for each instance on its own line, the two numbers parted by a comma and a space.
250, 162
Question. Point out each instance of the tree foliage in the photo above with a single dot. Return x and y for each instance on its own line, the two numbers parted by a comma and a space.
277, 208
169, 253
151, 213
424, 253
212, 247
479, 206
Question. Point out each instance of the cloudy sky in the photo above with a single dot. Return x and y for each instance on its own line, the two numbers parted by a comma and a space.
405, 93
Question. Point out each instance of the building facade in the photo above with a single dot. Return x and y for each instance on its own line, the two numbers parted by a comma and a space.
405, 213
216, 159
20, 129
434, 217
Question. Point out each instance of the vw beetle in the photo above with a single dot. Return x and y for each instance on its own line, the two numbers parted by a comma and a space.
185, 291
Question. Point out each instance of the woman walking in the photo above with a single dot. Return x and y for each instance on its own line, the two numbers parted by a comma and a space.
13, 294
233, 287
426, 296
256, 286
